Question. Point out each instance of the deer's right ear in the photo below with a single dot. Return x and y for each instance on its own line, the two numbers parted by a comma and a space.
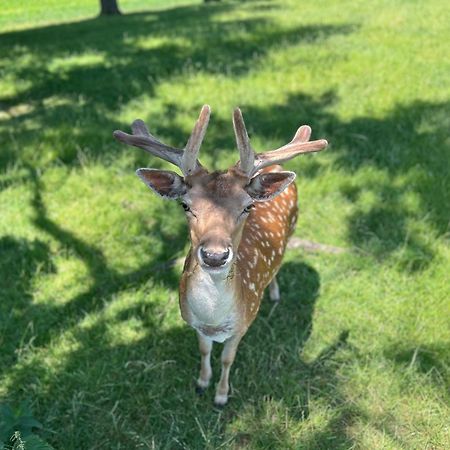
165, 183
268, 185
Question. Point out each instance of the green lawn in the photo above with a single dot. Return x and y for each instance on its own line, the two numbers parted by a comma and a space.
358, 353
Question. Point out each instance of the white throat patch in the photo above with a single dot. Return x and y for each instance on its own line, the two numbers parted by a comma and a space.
211, 302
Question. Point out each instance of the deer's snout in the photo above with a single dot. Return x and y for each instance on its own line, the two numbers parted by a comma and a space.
213, 257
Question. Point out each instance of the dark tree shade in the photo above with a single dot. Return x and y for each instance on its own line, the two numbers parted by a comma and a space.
109, 7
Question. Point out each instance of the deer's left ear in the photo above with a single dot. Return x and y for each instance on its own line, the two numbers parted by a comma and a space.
165, 183
268, 185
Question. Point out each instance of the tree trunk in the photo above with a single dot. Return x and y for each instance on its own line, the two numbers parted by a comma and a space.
109, 7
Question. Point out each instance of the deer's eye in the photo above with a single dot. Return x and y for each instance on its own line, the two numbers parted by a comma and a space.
185, 206
248, 208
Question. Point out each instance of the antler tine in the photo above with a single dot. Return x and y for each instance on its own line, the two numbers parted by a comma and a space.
189, 161
139, 128
302, 134
299, 144
247, 155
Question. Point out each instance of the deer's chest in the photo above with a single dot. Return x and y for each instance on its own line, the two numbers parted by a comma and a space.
211, 306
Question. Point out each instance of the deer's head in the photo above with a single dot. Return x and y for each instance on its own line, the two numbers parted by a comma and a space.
217, 203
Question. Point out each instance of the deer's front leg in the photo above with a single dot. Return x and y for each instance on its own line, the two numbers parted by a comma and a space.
205, 346
227, 357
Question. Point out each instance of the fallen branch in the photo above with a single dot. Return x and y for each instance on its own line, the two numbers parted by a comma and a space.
311, 246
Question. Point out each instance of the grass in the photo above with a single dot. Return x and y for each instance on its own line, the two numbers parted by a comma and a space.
357, 355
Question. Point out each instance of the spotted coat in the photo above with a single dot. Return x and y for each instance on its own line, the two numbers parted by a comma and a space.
263, 243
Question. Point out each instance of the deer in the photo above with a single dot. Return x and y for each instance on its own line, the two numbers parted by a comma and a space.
239, 224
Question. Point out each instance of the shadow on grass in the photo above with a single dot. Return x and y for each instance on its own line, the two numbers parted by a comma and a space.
144, 390
153, 387
152, 379
431, 360
21, 260
74, 78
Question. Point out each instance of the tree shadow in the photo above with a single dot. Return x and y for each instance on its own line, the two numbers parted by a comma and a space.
21, 260
426, 359
160, 365
152, 378
68, 103
49, 319
76, 77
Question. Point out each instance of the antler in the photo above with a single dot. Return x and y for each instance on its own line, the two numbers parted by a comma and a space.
186, 160
252, 162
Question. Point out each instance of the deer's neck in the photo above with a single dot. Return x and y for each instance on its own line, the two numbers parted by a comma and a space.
211, 298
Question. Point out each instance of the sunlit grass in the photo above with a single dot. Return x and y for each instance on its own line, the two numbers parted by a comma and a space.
357, 355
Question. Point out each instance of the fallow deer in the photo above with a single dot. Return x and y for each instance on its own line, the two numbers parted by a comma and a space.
239, 223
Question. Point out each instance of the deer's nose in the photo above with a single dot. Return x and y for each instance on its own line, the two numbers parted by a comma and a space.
214, 259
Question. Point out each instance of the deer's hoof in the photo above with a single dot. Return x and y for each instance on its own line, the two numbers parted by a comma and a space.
199, 390
201, 385
220, 400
